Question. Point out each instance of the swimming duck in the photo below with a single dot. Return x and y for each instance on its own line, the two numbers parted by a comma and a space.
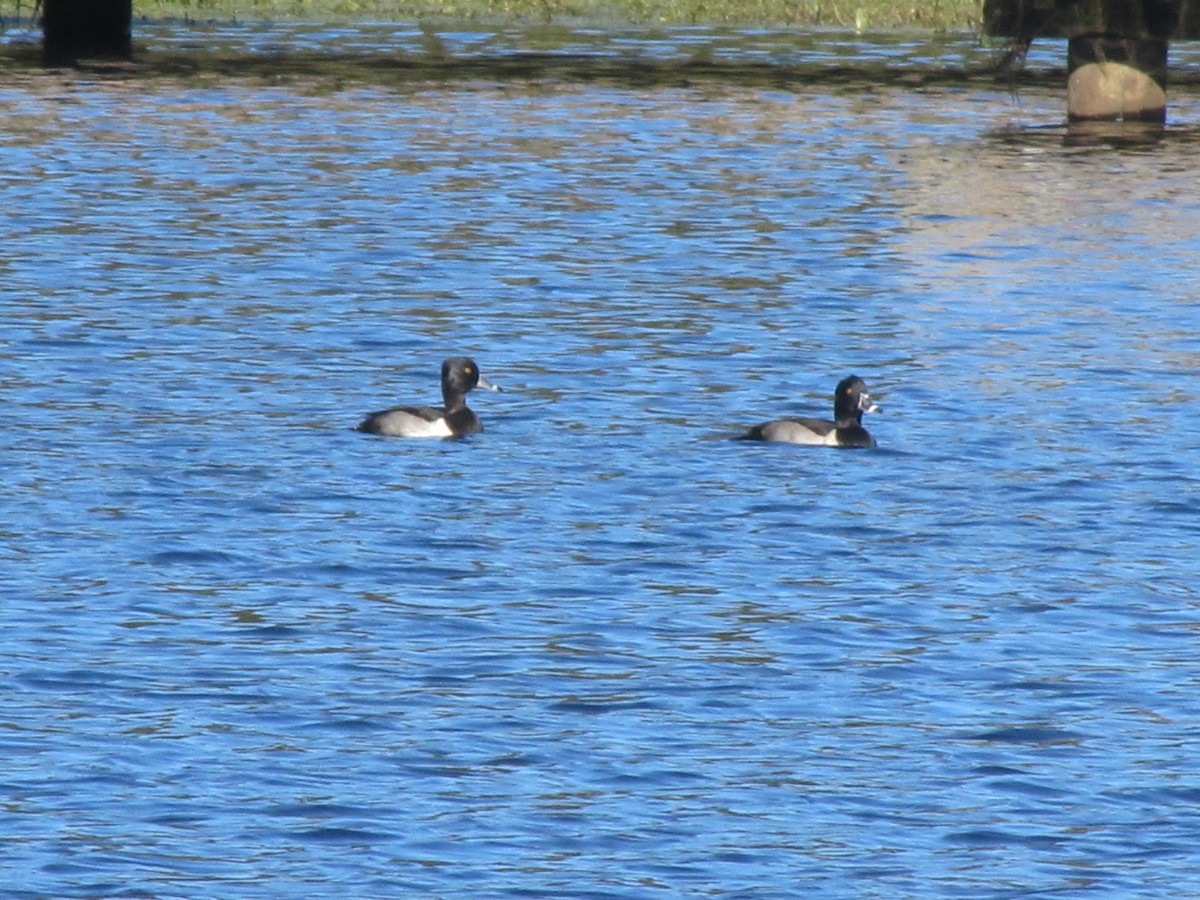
850, 401
453, 419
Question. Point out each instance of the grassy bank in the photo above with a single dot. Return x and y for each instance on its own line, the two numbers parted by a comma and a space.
932, 15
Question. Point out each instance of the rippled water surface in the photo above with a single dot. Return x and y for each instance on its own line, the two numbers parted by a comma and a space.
600, 649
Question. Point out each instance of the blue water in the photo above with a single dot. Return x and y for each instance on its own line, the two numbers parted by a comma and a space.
600, 650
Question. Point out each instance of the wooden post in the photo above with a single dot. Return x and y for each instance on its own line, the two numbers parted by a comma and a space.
1117, 79
1116, 49
74, 29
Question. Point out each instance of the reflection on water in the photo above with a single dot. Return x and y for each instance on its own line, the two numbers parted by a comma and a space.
1119, 135
598, 647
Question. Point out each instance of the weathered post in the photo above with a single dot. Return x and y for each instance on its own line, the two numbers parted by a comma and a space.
1117, 61
1116, 49
74, 29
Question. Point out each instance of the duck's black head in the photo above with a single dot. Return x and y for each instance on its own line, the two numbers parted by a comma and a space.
459, 375
851, 399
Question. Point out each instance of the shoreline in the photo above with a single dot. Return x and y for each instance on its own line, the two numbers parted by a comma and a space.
864, 15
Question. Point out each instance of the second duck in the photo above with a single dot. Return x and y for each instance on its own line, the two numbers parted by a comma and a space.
850, 400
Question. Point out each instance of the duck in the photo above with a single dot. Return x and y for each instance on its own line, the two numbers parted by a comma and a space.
850, 400
451, 420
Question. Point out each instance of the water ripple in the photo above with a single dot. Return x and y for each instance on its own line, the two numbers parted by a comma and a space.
600, 649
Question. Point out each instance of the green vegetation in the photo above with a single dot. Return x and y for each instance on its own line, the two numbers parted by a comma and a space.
860, 15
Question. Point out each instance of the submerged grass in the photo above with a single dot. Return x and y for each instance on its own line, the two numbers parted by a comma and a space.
860, 15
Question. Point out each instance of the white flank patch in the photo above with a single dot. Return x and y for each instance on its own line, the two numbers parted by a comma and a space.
416, 427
